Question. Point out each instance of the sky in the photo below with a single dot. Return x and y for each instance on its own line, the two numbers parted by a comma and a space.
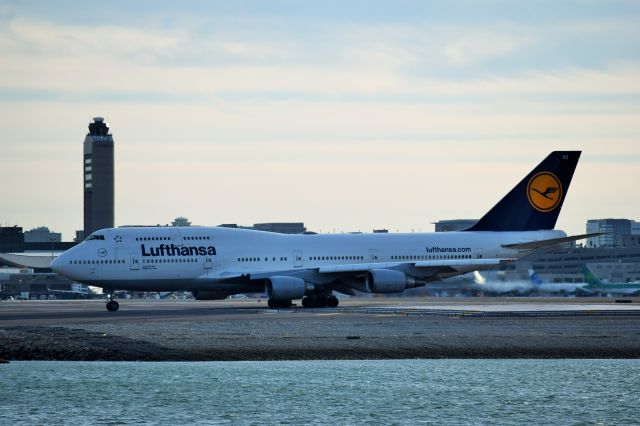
347, 115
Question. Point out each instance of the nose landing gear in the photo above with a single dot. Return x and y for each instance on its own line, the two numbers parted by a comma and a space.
112, 305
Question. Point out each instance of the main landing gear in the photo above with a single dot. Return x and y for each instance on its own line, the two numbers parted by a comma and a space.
112, 305
321, 301
314, 301
273, 303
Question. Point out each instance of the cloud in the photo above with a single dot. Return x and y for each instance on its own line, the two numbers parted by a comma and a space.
206, 111
54, 40
381, 63
475, 48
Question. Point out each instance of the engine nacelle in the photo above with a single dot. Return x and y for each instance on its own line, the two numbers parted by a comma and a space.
210, 294
287, 288
388, 281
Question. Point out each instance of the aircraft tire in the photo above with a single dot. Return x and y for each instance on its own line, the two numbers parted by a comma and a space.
112, 306
273, 303
319, 302
332, 302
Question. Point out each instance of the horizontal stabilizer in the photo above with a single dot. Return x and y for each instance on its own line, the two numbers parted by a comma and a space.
531, 245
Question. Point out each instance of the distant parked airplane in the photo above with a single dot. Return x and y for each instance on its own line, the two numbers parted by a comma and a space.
596, 285
553, 288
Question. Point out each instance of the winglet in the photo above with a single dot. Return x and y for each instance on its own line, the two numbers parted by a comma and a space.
535, 203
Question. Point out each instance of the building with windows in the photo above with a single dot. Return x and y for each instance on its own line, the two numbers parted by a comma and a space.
454, 224
281, 227
278, 227
564, 265
614, 256
627, 240
27, 284
614, 232
11, 239
181, 221
98, 178
42, 234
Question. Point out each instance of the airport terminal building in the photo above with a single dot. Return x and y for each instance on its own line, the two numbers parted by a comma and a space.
613, 264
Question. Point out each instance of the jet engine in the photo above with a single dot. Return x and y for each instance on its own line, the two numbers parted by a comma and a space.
389, 281
210, 294
287, 288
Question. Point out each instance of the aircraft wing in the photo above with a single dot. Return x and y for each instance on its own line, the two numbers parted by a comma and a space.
452, 264
532, 245
423, 268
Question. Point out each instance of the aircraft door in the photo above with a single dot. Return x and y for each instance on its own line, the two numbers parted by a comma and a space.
176, 237
134, 262
297, 258
373, 255
478, 254
208, 262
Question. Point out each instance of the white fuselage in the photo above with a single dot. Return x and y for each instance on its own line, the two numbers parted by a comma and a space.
211, 258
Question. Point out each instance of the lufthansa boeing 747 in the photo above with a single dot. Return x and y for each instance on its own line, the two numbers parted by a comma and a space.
215, 262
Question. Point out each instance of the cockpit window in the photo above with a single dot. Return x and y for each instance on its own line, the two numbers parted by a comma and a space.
95, 237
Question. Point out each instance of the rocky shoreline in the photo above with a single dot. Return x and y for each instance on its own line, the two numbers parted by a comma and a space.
340, 337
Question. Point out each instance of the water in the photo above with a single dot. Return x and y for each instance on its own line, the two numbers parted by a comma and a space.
322, 392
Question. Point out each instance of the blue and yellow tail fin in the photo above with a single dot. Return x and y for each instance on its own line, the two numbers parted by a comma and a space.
535, 203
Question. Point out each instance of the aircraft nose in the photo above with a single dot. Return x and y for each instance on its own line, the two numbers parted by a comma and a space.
56, 265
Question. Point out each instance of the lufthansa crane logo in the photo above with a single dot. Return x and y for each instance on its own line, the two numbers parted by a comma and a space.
544, 191
102, 252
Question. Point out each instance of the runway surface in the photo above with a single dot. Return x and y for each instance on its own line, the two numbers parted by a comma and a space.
361, 328
89, 311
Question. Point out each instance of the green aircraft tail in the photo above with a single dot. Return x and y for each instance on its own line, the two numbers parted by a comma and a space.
590, 277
